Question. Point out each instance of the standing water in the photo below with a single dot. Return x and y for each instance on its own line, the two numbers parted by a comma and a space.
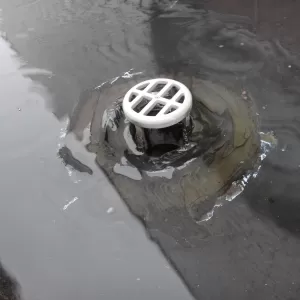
240, 143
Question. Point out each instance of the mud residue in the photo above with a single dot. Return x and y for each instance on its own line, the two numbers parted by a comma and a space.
69, 160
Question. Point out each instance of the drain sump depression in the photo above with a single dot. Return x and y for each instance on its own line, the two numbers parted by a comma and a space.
177, 163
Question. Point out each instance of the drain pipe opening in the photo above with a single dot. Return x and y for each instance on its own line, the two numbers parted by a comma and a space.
158, 111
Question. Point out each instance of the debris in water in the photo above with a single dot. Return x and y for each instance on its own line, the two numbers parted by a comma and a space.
173, 4
271, 200
63, 132
166, 173
128, 171
110, 211
284, 148
69, 203
244, 95
66, 155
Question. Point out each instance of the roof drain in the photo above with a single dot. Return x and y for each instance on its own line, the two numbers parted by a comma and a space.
157, 104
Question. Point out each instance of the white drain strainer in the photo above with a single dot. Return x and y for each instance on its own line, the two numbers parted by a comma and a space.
157, 103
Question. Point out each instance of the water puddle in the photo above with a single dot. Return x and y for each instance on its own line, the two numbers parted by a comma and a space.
208, 190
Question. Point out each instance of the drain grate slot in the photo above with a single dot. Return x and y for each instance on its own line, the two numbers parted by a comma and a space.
171, 109
132, 97
170, 93
157, 88
156, 109
181, 99
141, 104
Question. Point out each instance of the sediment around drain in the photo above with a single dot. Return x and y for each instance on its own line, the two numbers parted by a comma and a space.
224, 146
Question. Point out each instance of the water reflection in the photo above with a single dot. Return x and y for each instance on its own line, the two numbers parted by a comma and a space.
236, 50
82, 43
224, 48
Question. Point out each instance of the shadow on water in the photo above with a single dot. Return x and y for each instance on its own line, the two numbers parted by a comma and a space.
83, 43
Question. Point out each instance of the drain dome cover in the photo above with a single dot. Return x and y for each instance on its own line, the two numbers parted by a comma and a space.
157, 103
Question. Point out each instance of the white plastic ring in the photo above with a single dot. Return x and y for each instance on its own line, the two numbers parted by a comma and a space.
157, 103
